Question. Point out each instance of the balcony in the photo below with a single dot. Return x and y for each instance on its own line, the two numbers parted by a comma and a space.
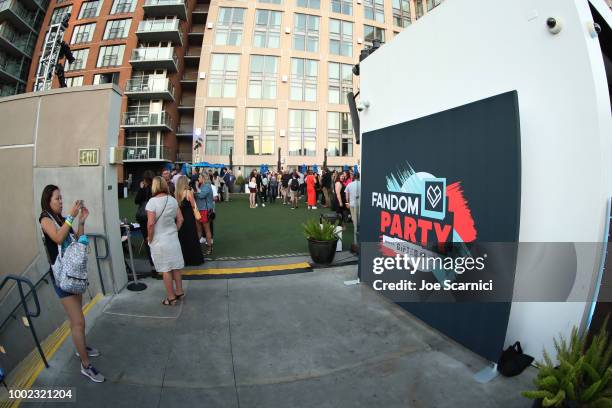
197, 30
201, 8
161, 8
150, 87
192, 56
184, 157
147, 121
36, 4
146, 153
185, 130
19, 17
154, 58
18, 45
187, 103
10, 69
160, 30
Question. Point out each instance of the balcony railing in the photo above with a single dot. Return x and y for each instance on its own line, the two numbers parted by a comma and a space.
190, 76
185, 129
10, 65
160, 30
155, 86
158, 25
197, 29
165, 8
193, 52
22, 42
201, 8
154, 57
184, 156
148, 153
23, 13
164, 2
187, 102
147, 120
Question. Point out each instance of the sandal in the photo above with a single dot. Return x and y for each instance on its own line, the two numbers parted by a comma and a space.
169, 302
179, 297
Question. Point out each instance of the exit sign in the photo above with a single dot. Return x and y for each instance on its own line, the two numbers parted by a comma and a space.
89, 157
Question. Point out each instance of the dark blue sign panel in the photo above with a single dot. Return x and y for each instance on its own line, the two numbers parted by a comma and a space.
439, 193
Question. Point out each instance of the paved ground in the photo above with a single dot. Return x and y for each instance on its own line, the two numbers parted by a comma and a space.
302, 340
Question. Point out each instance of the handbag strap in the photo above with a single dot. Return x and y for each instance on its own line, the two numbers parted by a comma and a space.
162, 211
59, 246
518, 347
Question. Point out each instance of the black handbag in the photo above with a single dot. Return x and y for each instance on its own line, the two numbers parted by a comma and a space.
512, 361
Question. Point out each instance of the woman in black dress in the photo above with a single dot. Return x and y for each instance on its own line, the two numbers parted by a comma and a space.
188, 235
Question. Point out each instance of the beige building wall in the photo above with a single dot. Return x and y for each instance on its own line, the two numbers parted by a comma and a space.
282, 103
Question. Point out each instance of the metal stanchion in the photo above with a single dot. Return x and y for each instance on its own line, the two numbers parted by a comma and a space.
134, 286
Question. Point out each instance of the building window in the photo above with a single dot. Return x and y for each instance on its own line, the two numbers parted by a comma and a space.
219, 131
141, 146
74, 81
263, 75
223, 75
80, 60
372, 33
267, 29
111, 56
260, 131
106, 78
117, 29
342, 7
271, 1
433, 3
306, 33
418, 4
90, 9
340, 82
401, 13
229, 26
83, 33
303, 80
312, 4
341, 37
339, 134
374, 10
302, 132
123, 6
59, 13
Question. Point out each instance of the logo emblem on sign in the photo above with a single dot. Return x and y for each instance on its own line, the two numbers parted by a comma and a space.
434, 195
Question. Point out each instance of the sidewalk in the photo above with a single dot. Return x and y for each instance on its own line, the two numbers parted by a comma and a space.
299, 340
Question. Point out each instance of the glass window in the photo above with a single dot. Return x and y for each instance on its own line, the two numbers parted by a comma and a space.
106, 78
111, 56
142, 146
339, 134
306, 33
123, 6
83, 33
223, 75
302, 132
229, 26
59, 13
374, 10
373, 33
401, 13
312, 4
303, 80
74, 81
267, 29
80, 60
433, 3
341, 37
418, 4
340, 82
117, 29
263, 77
260, 131
342, 7
90, 9
219, 136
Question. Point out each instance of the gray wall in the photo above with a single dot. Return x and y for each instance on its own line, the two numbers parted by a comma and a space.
41, 135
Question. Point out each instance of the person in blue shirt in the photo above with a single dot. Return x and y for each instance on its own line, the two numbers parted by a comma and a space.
204, 201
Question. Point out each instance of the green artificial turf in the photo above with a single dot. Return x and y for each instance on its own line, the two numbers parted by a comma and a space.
241, 231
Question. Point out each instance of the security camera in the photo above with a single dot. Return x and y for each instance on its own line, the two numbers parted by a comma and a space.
554, 25
362, 105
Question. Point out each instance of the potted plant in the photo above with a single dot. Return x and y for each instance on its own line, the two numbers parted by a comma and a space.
240, 184
322, 240
582, 377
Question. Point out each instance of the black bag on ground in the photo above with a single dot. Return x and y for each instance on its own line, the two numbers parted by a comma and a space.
512, 361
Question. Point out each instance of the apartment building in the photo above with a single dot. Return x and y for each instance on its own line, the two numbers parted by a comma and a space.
20, 22
274, 74
145, 47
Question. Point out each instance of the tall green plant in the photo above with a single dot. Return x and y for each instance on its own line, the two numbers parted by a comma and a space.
583, 375
319, 231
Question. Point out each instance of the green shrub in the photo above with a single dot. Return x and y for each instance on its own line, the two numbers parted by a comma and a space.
319, 231
583, 375
240, 181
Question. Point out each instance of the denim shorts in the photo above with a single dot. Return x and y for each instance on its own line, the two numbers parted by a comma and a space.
60, 293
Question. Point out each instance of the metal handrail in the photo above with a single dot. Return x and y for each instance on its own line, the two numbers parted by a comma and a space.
100, 258
23, 302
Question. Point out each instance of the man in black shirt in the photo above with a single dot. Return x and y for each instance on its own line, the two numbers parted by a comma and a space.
326, 186
285, 186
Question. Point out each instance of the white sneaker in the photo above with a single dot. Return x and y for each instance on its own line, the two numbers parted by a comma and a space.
263, 205
256, 205
202, 240
91, 352
314, 208
93, 374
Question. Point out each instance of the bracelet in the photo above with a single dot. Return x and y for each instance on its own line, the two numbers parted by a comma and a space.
70, 219
68, 222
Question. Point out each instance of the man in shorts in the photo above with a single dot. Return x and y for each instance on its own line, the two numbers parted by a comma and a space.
294, 189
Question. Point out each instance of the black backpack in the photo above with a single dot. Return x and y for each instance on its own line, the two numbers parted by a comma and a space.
295, 185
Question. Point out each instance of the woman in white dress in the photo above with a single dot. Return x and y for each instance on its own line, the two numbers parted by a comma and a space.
164, 219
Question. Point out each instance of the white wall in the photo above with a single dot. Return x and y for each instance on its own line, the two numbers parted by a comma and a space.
467, 50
